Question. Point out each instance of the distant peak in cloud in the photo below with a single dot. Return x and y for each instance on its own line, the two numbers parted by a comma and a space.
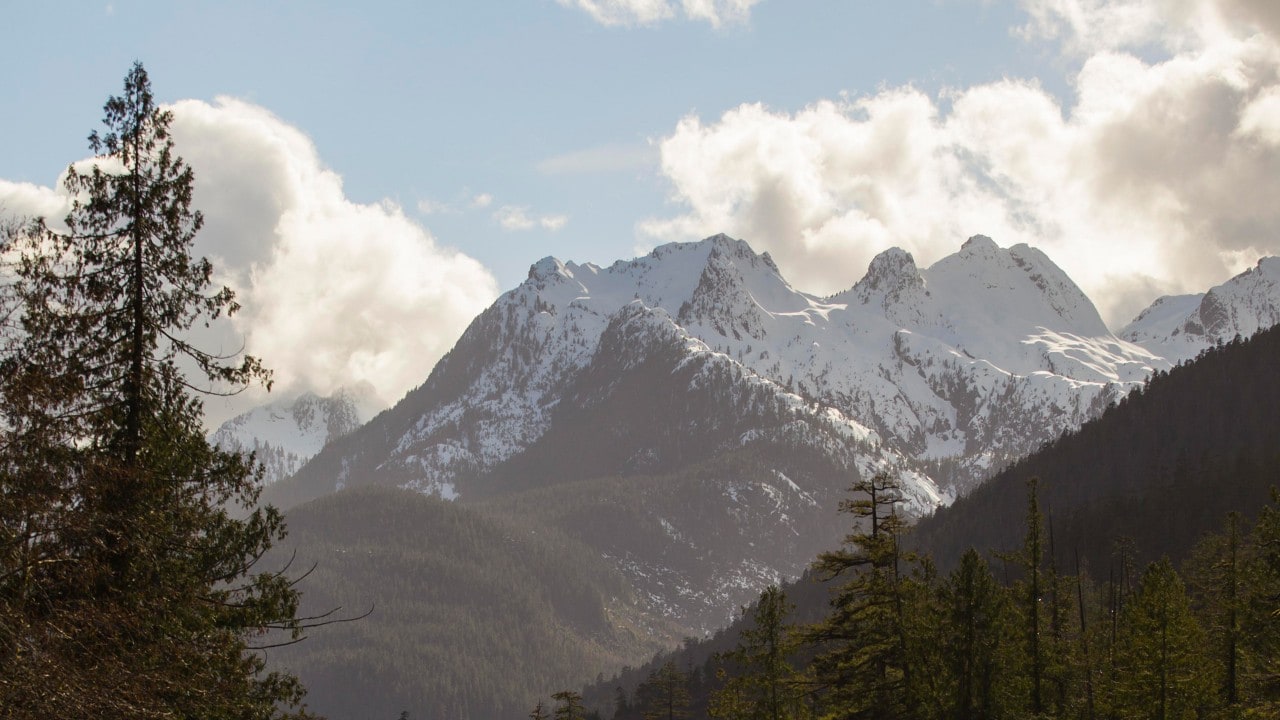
651, 12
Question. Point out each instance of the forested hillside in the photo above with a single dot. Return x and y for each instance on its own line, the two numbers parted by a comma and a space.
470, 613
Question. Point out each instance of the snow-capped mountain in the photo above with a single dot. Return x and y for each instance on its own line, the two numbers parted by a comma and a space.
286, 434
727, 411
948, 370
1181, 327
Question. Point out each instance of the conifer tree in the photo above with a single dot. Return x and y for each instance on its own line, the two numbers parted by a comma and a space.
976, 640
665, 694
1260, 675
569, 706
1030, 596
1216, 572
1164, 671
128, 588
767, 686
862, 661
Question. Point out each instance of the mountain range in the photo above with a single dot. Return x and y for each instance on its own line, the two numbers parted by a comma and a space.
694, 420
952, 370
700, 352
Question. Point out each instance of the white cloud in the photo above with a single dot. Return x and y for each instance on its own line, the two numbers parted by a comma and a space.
553, 222
651, 12
600, 159
461, 203
428, 206
1160, 177
517, 218
333, 292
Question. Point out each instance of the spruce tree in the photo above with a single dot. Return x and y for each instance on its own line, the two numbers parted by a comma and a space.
1260, 674
569, 706
862, 662
665, 694
1216, 574
1165, 672
976, 641
128, 586
765, 686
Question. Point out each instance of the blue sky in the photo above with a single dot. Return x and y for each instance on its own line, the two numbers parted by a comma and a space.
395, 165
437, 102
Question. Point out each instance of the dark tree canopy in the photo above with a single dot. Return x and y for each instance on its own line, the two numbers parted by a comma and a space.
128, 587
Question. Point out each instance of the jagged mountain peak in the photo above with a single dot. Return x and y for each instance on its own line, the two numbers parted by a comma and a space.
1018, 290
703, 350
1181, 327
892, 279
979, 245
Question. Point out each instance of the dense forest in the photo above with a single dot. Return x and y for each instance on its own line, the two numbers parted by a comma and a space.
1163, 465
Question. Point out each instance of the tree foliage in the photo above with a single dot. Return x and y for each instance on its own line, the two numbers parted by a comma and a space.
964, 646
766, 686
128, 588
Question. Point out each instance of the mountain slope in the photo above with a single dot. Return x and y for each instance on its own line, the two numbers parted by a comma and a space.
1181, 327
473, 613
1161, 468
1165, 464
702, 352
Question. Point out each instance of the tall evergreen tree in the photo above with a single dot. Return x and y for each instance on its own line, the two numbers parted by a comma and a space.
766, 686
1260, 676
1164, 670
128, 587
665, 695
977, 641
862, 662
1217, 574
1030, 596
568, 707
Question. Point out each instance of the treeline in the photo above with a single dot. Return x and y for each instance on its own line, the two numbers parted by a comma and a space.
1014, 635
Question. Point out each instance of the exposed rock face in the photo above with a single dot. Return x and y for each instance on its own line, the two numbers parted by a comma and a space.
1181, 327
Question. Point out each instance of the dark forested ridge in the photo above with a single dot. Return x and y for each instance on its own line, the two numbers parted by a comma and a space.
1161, 467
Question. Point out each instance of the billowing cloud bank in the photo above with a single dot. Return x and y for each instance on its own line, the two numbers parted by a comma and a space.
1160, 176
334, 292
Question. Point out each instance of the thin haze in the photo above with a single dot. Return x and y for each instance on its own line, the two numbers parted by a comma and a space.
372, 178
